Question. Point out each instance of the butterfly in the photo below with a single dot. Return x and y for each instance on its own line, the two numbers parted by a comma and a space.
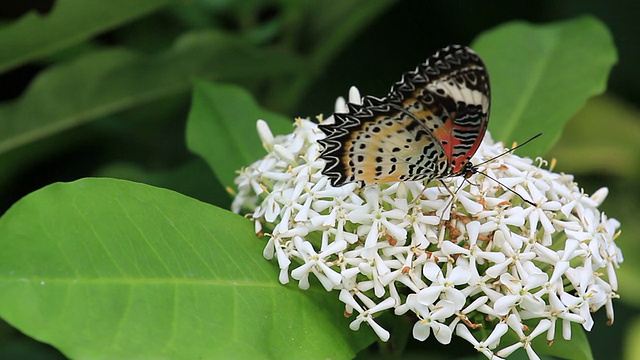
428, 127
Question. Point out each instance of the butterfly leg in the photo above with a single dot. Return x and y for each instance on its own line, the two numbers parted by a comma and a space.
424, 188
447, 209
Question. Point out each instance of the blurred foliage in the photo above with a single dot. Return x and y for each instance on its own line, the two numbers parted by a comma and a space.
103, 89
606, 132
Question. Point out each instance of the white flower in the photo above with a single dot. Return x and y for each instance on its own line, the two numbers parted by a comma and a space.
316, 263
443, 287
519, 293
525, 340
367, 315
430, 318
486, 345
481, 257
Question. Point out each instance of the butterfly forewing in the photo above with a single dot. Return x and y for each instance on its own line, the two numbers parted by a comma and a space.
429, 125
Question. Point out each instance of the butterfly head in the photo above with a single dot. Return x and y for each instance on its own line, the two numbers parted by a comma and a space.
468, 169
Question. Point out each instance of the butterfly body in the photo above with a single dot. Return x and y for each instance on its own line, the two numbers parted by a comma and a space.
427, 127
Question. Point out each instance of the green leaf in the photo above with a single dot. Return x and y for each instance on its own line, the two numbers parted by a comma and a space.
109, 81
72, 21
541, 75
617, 150
193, 178
631, 343
575, 349
222, 128
104, 268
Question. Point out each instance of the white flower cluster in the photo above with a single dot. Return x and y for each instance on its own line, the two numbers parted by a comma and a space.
459, 257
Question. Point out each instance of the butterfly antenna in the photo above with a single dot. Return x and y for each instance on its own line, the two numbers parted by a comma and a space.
508, 188
510, 150
504, 153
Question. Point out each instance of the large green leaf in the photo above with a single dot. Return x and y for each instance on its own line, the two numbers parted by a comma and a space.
575, 349
193, 178
70, 22
222, 128
541, 75
105, 82
105, 268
